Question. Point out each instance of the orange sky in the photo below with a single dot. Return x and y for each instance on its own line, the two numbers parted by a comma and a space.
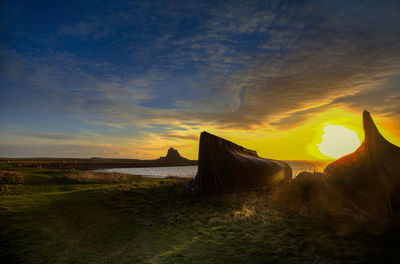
299, 143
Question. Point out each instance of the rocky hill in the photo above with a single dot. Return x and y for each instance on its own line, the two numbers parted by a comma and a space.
173, 156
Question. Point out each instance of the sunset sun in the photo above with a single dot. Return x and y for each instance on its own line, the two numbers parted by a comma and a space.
338, 141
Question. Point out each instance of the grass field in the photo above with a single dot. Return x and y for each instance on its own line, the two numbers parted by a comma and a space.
56, 216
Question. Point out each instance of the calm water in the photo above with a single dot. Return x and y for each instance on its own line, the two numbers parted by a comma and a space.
190, 171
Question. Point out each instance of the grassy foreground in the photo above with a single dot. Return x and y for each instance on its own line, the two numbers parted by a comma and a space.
56, 216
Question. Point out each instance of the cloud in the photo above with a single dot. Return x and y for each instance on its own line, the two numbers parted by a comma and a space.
312, 62
102, 123
59, 82
85, 30
64, 150
51, 136
180, 137
85, 138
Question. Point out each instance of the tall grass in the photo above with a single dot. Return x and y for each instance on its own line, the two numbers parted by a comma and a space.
10, 177
87, 177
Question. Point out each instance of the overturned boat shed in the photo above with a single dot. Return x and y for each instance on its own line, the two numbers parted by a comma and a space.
368, 178
224, 166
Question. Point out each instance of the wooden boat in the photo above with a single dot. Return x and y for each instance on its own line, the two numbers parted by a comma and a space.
369, 178
224, 166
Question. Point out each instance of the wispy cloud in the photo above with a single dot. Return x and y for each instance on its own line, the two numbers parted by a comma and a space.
180, 137
85, 30
310, 61
51, 136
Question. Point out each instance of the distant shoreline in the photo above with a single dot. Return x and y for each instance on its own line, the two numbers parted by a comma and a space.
91, 164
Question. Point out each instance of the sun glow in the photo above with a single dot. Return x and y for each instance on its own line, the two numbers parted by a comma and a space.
338, 141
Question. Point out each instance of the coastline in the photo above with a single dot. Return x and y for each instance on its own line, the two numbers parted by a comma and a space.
90, 164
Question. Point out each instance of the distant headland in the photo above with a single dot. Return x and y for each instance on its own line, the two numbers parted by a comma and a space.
173, 158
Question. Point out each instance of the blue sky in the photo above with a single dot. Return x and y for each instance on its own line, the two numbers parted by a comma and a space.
131, 78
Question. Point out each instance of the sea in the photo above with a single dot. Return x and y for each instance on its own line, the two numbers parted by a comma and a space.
190, 171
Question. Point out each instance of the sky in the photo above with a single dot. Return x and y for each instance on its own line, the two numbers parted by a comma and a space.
132, 78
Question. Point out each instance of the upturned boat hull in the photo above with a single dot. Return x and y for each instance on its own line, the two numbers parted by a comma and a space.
224, 166
369, 178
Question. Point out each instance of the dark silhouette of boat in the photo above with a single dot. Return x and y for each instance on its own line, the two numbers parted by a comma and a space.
224, 166
369, 178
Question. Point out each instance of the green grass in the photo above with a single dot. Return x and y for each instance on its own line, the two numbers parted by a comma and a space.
49, 216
